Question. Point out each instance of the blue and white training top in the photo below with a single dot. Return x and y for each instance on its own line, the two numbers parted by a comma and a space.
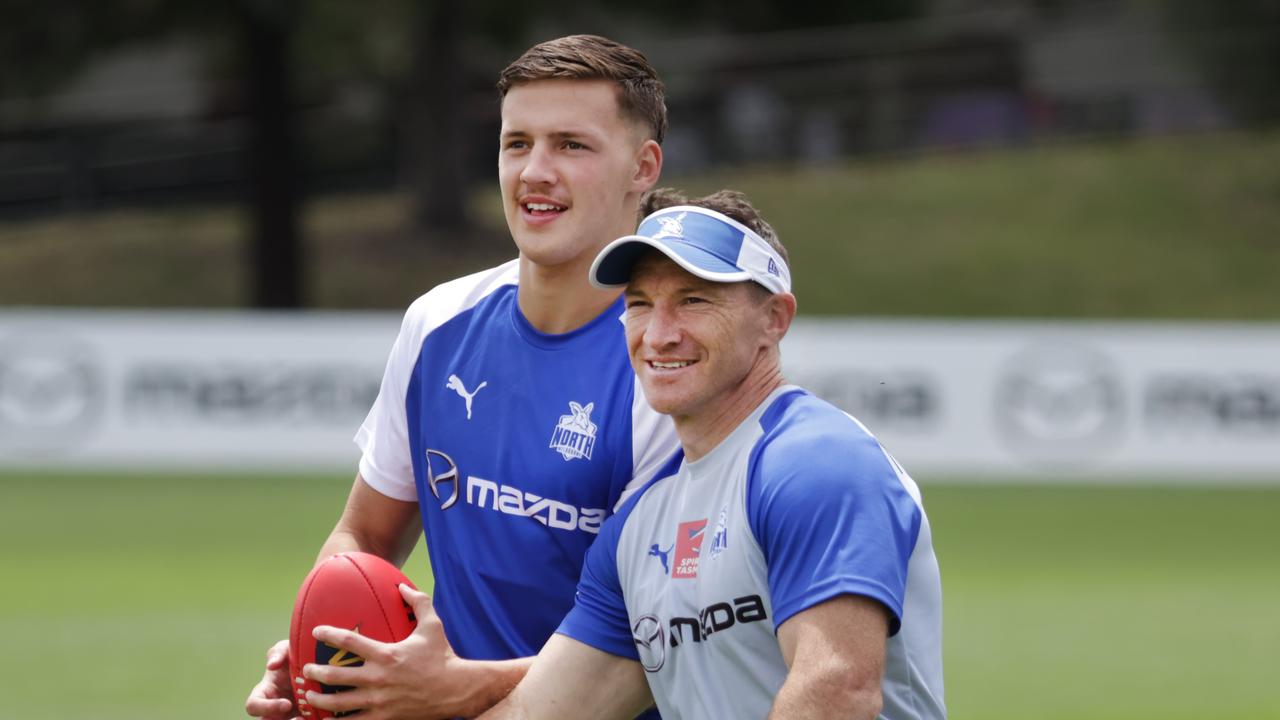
799, 504
516, 446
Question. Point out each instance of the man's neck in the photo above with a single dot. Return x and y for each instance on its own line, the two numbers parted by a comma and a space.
560, 299
700, 434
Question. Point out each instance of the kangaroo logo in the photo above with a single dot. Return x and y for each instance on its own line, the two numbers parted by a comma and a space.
655, 551
720, 540
672, 227
575, 434
455, 384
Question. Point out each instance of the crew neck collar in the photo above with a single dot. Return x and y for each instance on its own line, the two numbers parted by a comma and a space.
552, 341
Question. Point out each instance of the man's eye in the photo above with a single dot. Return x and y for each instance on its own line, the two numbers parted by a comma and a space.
572, 145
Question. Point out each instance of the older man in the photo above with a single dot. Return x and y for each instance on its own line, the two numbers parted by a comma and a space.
783, 567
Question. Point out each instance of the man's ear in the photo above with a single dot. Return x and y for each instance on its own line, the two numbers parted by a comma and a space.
648, 166
780, 310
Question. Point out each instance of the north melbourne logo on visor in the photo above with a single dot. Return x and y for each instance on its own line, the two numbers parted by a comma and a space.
672, 227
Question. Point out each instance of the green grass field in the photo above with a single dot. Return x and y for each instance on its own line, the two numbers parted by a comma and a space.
155, 596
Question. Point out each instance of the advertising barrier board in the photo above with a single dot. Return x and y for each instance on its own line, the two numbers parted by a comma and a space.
972, 399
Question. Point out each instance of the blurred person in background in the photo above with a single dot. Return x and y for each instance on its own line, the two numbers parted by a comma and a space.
509, 423
783, 566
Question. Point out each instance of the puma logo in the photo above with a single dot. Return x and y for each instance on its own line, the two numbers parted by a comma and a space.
455, 384
655, 551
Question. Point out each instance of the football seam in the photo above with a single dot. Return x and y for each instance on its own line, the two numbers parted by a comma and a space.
296, 639
374, 592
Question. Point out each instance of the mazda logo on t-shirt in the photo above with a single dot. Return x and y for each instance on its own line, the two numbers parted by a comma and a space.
650, 639
445, 470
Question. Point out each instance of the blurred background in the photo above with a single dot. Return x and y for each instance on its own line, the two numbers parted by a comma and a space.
1036, 245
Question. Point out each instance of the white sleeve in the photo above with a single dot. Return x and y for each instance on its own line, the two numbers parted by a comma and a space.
383, 438
653, 442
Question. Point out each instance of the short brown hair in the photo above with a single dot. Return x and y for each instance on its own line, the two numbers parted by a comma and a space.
641, 95
726, 202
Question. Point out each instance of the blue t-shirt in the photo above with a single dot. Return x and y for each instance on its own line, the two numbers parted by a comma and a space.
798, 505
516, 445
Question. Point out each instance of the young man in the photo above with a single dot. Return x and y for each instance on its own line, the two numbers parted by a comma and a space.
783, 566
509, 423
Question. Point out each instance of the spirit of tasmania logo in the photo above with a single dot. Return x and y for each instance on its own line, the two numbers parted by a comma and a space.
688, 546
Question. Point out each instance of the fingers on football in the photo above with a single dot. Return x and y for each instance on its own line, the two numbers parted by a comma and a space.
367, 648
335, 675
419, 601
270, 708
278, 655
342, 702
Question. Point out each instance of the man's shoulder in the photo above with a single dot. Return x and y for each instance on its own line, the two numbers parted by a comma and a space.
450, 299
829, 441
796, 416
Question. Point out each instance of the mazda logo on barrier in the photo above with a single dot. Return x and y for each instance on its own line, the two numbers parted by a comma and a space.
449, 474
51, 392
651, 645
1061, 404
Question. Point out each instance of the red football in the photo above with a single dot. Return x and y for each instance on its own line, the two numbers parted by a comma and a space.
351, 590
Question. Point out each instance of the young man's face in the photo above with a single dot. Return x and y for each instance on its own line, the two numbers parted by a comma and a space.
692, 342
571, 168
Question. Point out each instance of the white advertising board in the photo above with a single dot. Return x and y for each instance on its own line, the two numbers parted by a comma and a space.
1020, 399
197, 390
998, 400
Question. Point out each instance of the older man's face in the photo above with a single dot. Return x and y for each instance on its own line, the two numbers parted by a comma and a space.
692, 342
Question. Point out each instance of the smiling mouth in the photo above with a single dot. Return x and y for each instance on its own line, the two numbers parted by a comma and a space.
670, 365
542, 208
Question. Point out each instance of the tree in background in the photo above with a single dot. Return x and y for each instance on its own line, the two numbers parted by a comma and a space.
1236, 47
427, 63
44, 44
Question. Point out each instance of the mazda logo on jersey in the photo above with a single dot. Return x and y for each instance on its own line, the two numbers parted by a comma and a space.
650, 639
481, 493
442, 471
714, 618
717, 617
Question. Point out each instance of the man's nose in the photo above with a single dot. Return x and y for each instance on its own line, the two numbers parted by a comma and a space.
539, 170
663, 329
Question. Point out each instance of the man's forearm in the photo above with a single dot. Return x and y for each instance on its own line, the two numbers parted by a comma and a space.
340, 541
834, 696
491, 681
374, 523
572, 680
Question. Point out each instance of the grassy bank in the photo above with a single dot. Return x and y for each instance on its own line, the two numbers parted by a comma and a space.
1173, 228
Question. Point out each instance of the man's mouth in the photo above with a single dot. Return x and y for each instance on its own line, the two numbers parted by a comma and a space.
544, 208
671, 365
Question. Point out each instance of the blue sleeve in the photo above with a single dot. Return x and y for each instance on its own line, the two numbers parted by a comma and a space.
599, 614
832, 518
